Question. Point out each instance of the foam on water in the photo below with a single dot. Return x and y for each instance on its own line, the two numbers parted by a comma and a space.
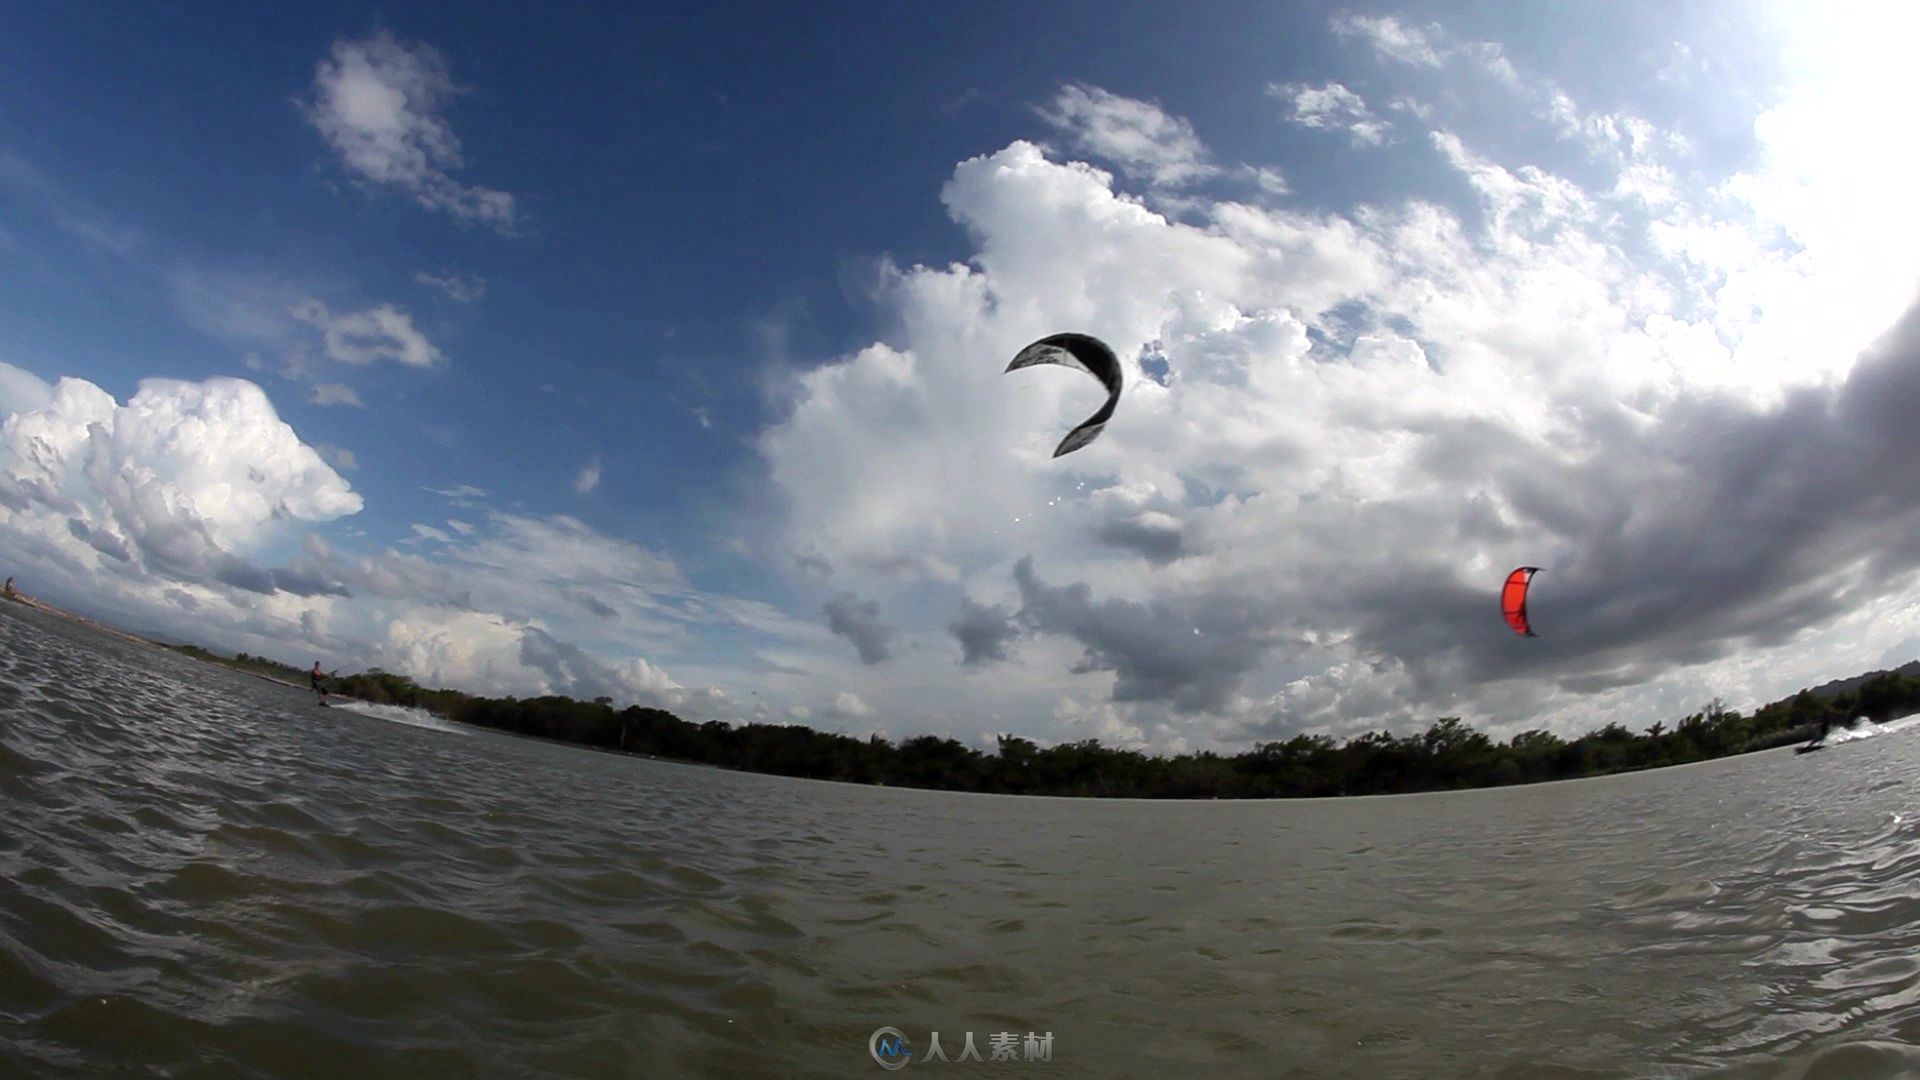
1867, 729
400, 714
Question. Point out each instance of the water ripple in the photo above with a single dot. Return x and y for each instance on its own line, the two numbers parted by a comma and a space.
204, 878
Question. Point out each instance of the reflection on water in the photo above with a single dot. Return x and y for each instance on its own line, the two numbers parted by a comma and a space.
206, 876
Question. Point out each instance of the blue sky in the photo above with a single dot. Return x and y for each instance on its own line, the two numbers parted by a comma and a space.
658, 355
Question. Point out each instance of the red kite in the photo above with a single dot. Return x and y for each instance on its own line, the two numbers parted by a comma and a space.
1513, 600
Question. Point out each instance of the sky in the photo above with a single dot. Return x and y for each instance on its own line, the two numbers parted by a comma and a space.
661, 356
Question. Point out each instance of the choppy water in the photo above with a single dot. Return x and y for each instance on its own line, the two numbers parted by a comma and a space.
201, 875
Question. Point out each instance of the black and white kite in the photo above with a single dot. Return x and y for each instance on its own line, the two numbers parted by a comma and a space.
1090, 355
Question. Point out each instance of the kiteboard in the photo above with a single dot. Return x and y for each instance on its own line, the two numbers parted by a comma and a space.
1810, 749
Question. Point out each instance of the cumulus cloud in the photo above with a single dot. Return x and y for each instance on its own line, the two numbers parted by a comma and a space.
859, 621
1138, 136
1332, 107
1354, 424
378, 333
176, 509
378, 102
22, 391
848, 706
1672, 387
505, 655
184, 482
542, 605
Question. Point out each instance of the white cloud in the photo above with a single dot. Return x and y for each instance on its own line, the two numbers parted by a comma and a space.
1620, 138
589, 477
288, 330
1138, 136
378, 333
460, 288
1391, 38
178, 509
509, 656
335, 394
848, 706
1345, 427
22, 391
1332, 107
185, 481
378, 103
1268, 180
1364, 419
463, 495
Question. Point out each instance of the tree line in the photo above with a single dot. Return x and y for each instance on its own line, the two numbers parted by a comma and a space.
1449, 754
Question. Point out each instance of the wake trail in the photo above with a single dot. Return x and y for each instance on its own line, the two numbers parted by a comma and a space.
399, 714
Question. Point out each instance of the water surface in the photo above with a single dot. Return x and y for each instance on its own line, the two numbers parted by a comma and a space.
206, 876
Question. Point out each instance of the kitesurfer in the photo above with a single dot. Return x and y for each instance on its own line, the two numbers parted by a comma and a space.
320, 680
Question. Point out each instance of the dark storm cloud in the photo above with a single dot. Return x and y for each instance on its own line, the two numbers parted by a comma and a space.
984, 631
859, 622
1720, 526
1704, 528
1189, 652
1157, 538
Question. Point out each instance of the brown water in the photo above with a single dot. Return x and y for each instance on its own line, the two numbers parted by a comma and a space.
205, 876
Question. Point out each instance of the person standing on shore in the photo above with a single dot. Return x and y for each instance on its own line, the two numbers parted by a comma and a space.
9, 588
320, 681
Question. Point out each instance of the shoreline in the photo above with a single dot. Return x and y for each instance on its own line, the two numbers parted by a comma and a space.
96, 625
38, 604
985, 773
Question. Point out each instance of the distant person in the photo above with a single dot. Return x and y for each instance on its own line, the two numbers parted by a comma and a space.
9, 588
320, 680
